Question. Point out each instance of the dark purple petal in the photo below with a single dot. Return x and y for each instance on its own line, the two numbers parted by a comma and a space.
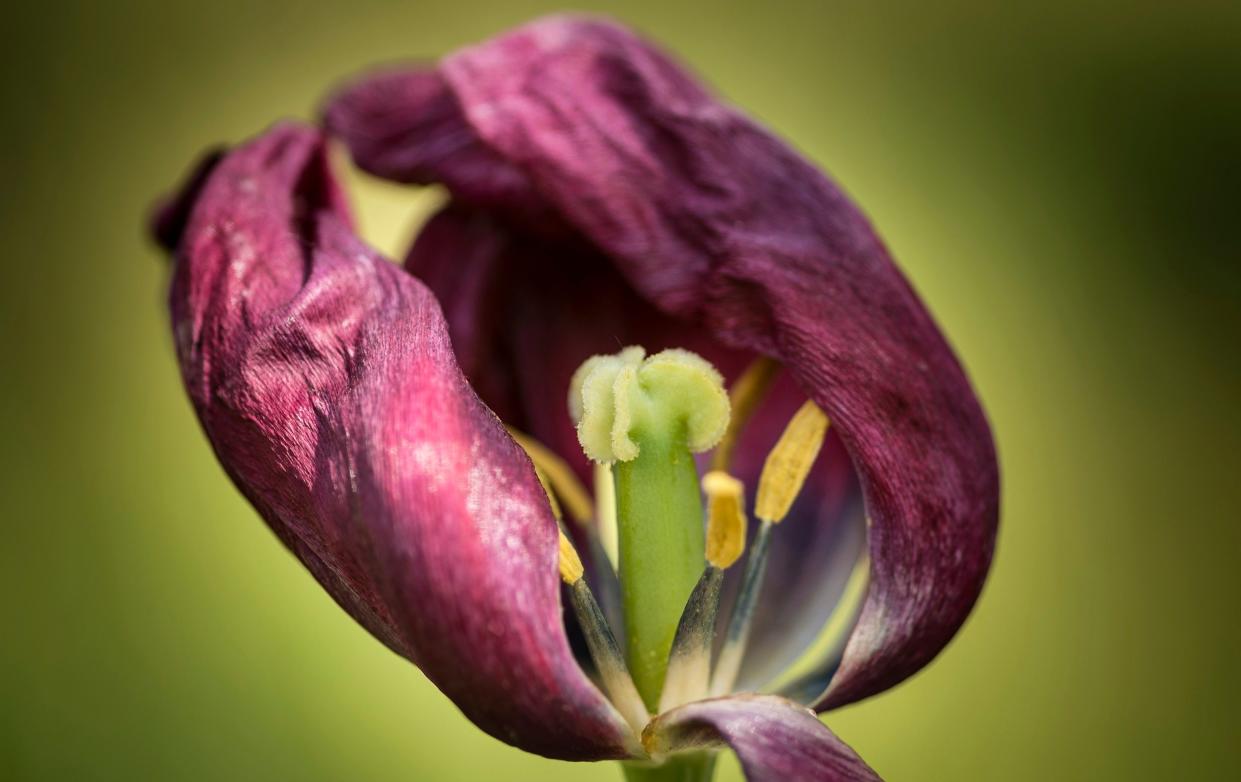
324, 378
170, 215
717, 222
407, 126
775, 739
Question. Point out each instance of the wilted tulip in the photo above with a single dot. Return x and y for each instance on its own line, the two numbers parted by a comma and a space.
393, 425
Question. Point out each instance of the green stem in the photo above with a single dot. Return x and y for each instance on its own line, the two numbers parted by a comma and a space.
659, 515
689, 767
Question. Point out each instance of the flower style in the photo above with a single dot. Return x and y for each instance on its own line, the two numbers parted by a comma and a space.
599, 198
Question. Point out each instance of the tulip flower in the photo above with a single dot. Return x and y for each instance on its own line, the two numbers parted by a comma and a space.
634, 287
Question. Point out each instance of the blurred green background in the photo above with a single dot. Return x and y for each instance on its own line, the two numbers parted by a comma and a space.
1060, 184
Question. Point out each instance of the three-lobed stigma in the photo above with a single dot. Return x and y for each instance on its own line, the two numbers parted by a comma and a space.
618, 400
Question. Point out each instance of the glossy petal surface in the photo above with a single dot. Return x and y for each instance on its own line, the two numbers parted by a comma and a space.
775, 739
324, 378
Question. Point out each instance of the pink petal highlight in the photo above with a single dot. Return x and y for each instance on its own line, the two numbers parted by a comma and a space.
324, 378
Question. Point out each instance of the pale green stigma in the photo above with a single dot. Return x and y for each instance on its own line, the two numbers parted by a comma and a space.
616, 399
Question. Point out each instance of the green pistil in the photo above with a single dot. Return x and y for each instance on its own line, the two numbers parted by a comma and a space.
661, 552
647, 417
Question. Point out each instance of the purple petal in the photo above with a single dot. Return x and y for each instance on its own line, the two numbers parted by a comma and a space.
775, 739
407, 126
717, 222
324, 378
170, 215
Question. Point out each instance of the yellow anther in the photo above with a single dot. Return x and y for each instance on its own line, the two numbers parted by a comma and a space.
556, 472
571, 569
725, 518
789, 462
746, 392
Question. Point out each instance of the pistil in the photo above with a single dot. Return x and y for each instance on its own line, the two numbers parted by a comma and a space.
646, 417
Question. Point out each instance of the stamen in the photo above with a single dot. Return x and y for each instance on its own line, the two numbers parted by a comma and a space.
613, 673
551, 495
605, 513
784, 474
725, 518
729, 662
597, 553
560, 475
571, 570
747, 391
788, 464
689, 662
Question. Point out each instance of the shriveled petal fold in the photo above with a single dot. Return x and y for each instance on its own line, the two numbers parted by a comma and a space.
431, 145
720, 225
324, 378
775, 739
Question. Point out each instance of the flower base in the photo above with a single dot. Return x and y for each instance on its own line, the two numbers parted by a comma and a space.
688, 767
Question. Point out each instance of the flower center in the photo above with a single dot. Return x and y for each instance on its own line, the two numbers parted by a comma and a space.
641, 419
646, 417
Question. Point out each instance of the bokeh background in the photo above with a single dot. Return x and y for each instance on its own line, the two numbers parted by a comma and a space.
1059, 182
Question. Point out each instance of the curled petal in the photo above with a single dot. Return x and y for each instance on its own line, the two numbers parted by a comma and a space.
720, 225
407, 126
775, 739
324, 378
170, 215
